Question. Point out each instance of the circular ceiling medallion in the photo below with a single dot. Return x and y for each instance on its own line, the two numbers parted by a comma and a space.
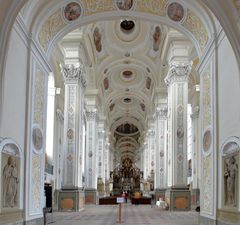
127, 26
72, 11
127, 100
37, 138
207, 140
175, 12
124, 4
127, 74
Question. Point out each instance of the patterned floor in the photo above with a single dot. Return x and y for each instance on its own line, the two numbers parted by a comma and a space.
132, 215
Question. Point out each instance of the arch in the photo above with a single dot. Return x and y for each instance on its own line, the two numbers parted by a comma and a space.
193, 26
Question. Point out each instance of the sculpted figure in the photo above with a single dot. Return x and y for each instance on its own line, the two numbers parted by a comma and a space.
10, 183
231, 180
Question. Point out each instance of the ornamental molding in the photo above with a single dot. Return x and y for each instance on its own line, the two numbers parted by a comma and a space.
195, 113
178, 72
161, 112
59, 115
230, 146
101, 134
72, 73
91, 114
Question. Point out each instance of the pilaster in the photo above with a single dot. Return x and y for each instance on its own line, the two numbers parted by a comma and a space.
72, 139
91, 156
161, 149
177, 82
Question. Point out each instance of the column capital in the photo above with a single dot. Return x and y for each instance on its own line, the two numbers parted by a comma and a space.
178, 72
195, 112
73, 74
161, 112
91, 114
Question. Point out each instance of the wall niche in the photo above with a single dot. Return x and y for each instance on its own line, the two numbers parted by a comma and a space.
230, 173
11, 175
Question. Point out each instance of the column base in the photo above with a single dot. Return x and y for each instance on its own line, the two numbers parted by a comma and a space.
195, 198
160, 193
70, 200
178, 199
91, 196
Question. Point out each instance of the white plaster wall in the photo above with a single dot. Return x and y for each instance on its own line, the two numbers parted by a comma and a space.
228, 104
229, 93
14, 93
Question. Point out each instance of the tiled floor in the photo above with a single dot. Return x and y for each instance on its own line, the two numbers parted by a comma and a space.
132, 215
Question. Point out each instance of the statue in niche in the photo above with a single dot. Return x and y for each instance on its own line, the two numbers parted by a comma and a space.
156, 38
231, 181
97, 39
10, 183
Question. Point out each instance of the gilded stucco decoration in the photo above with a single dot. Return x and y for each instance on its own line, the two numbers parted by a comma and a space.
207, 141
56, 22
97, 6
207, 184
36, 184
50, 28
156, 7
206, 99
39, 98
197, 28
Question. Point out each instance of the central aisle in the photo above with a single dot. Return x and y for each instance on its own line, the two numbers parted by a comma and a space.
132, 215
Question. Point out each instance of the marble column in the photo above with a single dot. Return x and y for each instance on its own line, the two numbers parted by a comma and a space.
91, 156
196, 158
161, 152
71, 196
178, 195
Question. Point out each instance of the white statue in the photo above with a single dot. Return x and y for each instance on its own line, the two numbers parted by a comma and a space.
231, 180
10, 183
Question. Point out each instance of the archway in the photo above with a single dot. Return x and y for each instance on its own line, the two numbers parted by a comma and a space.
38, 65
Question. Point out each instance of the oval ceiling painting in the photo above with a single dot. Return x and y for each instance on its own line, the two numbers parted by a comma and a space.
124, 4
175, 12
72, 11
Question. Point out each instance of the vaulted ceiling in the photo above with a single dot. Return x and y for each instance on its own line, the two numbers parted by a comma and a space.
126, 63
